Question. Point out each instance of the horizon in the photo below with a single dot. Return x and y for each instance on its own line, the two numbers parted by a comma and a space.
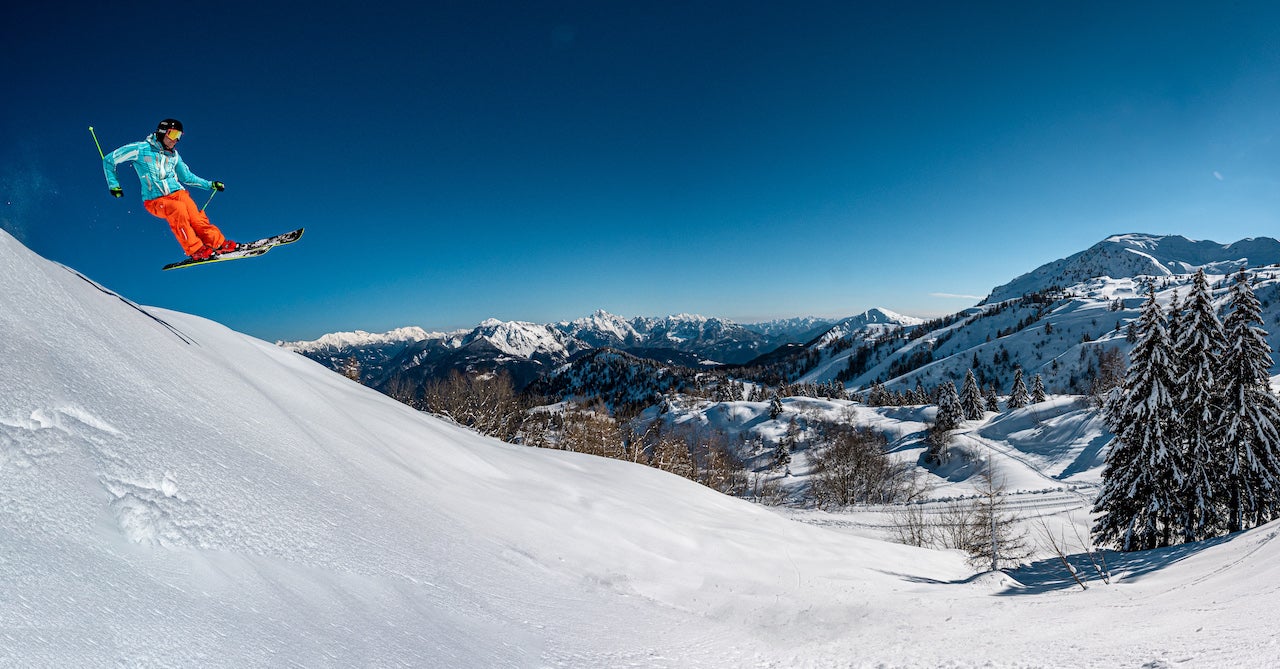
742, 160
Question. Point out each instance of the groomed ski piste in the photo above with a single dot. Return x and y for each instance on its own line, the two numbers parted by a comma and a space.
174, 493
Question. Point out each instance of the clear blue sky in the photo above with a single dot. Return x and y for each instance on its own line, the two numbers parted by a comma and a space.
454, 161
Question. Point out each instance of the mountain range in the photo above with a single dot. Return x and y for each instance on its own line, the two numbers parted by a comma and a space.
527, 350
1055, 321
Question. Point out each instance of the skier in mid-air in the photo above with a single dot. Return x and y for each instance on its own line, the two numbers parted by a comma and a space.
162, 175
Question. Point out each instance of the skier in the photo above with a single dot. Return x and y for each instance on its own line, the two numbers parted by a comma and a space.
162, 175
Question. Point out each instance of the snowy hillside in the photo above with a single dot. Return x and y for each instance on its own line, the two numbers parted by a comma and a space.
1058, 335
1133, 255
173, 493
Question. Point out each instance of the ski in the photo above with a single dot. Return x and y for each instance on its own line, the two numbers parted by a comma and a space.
246, 250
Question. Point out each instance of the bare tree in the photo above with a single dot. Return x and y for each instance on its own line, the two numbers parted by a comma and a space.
486, 403
997, 539
851, 466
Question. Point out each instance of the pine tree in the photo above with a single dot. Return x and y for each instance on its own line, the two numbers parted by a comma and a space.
971, 398
919, 396
1197, 346
1018, 396
1038, 394
1139, 503
1249, 418
782, 455
949, 416
878, 396
950, 411
991, 398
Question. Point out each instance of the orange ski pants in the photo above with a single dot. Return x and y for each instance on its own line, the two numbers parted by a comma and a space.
190, 225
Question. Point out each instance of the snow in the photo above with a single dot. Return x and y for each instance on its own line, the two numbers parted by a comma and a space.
173, 493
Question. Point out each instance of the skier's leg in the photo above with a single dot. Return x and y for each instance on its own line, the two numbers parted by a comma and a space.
168, 208
199, 222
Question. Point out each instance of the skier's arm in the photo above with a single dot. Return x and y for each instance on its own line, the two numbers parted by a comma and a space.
125, 154
189, 179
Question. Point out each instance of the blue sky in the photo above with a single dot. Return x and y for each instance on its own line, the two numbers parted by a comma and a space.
454, 161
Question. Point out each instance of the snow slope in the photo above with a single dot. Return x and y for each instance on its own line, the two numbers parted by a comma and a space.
173, 493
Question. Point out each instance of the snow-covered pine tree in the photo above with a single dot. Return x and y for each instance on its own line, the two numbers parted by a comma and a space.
1038, 394
775, 407
1197, 347
950, 412
1018, 396
971, 398
1139, 502
919, 395
878, 396
991, 399
1249, 416
949, 416
782, 455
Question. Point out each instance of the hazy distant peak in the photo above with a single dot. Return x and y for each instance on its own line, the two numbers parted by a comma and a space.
360, 338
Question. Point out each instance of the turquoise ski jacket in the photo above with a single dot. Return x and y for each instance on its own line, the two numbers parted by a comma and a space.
160, 172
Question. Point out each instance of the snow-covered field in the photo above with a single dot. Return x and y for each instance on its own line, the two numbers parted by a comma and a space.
175, 494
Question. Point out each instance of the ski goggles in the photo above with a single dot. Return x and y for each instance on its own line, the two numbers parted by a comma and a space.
173, 134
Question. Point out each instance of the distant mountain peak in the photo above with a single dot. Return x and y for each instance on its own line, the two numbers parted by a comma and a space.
360, 338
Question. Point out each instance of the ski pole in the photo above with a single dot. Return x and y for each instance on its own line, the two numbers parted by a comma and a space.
95, 142
206, 202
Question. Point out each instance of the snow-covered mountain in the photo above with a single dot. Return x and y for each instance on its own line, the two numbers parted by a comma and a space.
371, 351
1133, 255
527, 350
337, 341
1054, 321
800, 329
603, 329
522, 340
868, 325
1059, 335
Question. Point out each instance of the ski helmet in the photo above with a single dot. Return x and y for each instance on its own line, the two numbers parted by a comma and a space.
167, 125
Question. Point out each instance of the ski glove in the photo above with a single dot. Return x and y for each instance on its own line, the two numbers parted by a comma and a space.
218, 186
116, 192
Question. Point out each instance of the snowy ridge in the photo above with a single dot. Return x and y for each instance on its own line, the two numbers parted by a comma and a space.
869, 324
788, 326
360, 338
1058, 336
521, 339
602, 329
1133, 255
